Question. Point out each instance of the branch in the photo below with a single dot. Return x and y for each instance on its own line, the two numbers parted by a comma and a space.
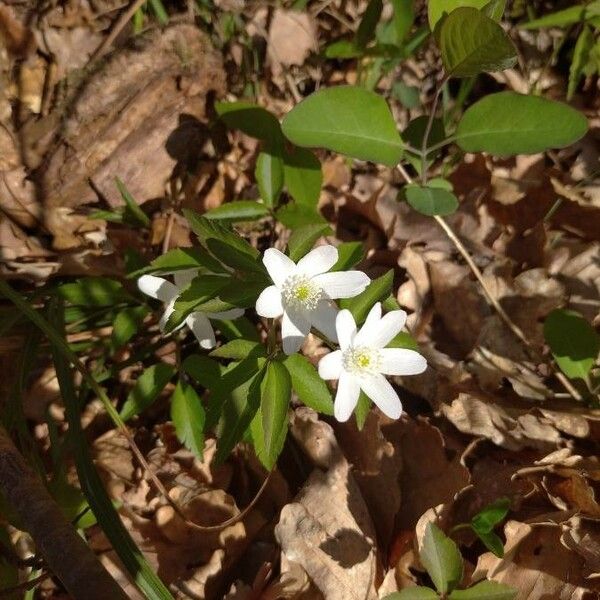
63, 550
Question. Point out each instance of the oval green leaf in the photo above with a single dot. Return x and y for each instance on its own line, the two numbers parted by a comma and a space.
573, 341
430, 200
240, 210
303, 176
488, 590
437, 8
440, 556
275, 398
418, 592
269, 177
187, 414
346, 119
471, 43
508, 123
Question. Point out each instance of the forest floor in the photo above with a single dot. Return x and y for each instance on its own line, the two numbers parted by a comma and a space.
341, 516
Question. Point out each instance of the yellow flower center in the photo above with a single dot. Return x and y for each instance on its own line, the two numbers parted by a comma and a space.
298, 291
361, 360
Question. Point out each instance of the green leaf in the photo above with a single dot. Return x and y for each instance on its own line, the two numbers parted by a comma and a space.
204, 370
251, 120
563, 18
492, 542
361, 412
366, 28
490, 516
239, 210
573, 342
240, 407
343, 49
581, 53
415, 132
93, 291
239, 349
294, 215
146, 389
187, 414
236, 294
311, 389
303, 176
71, 501
437, 8
430, 200
417, 592
211, 231
494, 9
242, 327
275, 399
126, 324
350, 254
202, 289
508, 123
407, 95
403, 339
346, 119
485, 590
402, 19
471, 43
132, 213
181, 259
440, 556
303, 239
269, 177
91, 484
378, 290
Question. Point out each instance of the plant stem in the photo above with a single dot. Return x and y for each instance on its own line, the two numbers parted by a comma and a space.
436, 99
514, 328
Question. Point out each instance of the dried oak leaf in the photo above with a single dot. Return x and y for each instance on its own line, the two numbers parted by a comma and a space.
136, 117
536, 564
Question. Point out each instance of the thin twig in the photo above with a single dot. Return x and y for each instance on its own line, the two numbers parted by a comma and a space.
428, 131
116, 30
516, 330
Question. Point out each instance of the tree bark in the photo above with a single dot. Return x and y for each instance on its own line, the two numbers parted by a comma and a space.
66, 554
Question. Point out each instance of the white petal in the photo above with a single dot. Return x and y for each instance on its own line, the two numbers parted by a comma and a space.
345, 284
169, 308
330, 366
184, 278
379, 389
401, 361
226, 315
319, 260
279, 266
269, 304
200, 325
371, 321
157, 287
380, 334
345, 325
347, 397
323, 318
294, 329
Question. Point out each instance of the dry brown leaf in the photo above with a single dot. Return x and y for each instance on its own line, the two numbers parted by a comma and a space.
114, 128
292, 38
328, 531
536, 564
487, 419
377, 467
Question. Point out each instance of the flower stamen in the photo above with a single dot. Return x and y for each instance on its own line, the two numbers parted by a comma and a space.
298, 291
361, 360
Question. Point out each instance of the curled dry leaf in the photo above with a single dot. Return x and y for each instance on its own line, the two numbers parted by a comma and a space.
536, 564
113, 127
482, 417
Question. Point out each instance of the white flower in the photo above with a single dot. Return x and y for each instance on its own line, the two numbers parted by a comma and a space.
198, 322
363, 360
303, 293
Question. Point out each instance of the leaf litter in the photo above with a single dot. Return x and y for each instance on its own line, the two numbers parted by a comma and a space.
344, 515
